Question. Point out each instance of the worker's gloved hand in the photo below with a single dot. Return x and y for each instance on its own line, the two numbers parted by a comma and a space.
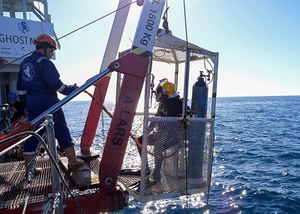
69, 89
75, 86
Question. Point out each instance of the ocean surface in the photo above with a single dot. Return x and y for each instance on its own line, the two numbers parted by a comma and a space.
256, 166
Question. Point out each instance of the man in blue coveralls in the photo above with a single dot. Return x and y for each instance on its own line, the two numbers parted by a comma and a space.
37, 85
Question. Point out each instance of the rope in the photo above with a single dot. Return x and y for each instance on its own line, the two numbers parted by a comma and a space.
110, 115
185, 121
92, 22
185, 25
95, 20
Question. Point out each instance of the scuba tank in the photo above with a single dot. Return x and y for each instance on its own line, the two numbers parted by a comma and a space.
200, 97
197, 132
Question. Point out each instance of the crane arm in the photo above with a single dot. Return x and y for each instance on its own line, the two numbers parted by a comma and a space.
134, 66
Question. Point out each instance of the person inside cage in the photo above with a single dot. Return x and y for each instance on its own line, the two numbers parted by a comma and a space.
160, 135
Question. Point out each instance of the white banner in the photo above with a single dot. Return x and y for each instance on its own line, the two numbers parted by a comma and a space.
17, 35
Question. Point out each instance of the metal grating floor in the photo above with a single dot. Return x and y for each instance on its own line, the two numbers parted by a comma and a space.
14, 189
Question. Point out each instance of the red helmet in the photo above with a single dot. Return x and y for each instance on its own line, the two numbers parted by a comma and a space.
45, 39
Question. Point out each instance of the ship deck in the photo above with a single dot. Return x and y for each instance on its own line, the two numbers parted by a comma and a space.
15, 189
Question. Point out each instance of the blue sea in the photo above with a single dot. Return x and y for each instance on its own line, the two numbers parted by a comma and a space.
256, 165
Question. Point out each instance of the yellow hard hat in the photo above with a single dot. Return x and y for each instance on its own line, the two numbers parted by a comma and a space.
168, 88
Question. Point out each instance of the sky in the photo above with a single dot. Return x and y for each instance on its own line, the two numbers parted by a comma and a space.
258, 41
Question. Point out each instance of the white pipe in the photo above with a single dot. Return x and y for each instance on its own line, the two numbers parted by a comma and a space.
24, 9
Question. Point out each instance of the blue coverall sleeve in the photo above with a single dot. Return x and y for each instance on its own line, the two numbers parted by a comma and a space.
52, 78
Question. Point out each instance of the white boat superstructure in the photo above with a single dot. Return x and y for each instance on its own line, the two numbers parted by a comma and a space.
21, 21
